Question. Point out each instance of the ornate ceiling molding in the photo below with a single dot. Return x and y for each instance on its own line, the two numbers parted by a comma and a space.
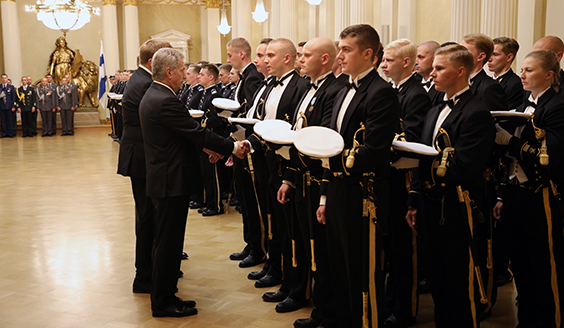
130, 2
207, 3
109, 2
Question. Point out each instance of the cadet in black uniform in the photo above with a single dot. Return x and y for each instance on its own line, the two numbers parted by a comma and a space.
397, 63
505, 51
446, 228
531, 206
26, 105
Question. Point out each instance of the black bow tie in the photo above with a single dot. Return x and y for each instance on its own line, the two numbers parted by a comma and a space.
498, 79
427, 84
280, 82
349, 85
529, 103
312, 85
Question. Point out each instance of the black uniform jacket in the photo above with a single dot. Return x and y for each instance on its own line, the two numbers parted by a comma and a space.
248, 84
171, 137
549, 116
376, 105
488, 91
26, 99
513, 88
471, 131
414, 105
318, 113
131, 151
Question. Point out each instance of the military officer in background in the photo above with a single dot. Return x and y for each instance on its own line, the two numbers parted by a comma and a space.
7, 107
53, 86
26, 107
33, 114
68, 103
47, 103
227, 87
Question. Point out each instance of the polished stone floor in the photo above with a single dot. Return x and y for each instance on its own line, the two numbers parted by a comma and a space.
67, 241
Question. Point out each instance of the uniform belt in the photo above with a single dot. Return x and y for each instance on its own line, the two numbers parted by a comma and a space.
515, 182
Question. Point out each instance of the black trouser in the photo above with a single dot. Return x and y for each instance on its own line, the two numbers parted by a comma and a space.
170, 226
144, 232
255, 233
442, 230
7, 122
67, 120
118, 124
27, 123
15, 123
306, 217
34, 121
47, 122
401, 251
54, 123
212, 198
537, 264
345, 228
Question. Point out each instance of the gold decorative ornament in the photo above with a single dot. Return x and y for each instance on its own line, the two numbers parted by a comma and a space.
109, 2
212, 4
130, 2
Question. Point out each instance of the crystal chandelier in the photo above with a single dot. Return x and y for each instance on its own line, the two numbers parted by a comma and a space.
63, 15
260, 15
314, 2
224, 27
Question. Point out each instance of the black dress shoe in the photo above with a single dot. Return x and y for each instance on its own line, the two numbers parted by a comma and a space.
188, 303
239, 256
184, 256
180, 274
396, 322
306, 323
424, 287
202, 209
194, 205
256, 275
211, 212
251, 261
142, 288
275, 297
267, 281
176, 310
234, 202
289, 305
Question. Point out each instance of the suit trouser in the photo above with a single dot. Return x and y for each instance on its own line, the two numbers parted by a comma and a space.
54, 123
7, 122
47, 122
67, 120
255, 233
170, 226
442, 229
401, 252
144, 232
118, 124
15, 123
34, 122
345, 228
537, 264
27, 123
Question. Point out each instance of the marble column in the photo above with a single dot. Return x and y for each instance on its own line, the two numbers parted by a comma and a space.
274, 19
326, 18
11, 40
554, 10
360, 12
389, 21
499, 18
342, 16
204, 32
407, 19
529, 28
313, 22
213, 35
110, 36
241, 19
465, 18
288, 20
131, 33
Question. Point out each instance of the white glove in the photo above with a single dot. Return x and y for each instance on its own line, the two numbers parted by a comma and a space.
502, 137
325, 163
284, 151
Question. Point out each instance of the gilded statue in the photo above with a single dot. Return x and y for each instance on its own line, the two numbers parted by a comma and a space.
60, 60
65, 61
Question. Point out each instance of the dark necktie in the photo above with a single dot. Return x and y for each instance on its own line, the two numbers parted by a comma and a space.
349, 85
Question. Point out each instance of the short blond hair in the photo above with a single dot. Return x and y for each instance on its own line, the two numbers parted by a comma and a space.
240, 44
482, 42
458, 56
404, 48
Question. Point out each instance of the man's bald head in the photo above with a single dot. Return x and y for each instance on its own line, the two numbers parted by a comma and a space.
285, 46
323, 45
318, 57
425, 56
552, 43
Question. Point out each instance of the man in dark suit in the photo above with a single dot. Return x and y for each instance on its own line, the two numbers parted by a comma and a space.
33, 114
397, 63
171, 137
47, 102
279, 101
482, 86
465, 124
239, 56
26, 104
555, 44
132, 164
7, 107
505, 51
423, 68
315, 109
369, 102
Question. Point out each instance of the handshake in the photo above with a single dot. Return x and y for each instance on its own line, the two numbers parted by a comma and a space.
243, 148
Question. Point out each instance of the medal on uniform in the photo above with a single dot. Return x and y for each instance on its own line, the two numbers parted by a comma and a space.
311, 104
